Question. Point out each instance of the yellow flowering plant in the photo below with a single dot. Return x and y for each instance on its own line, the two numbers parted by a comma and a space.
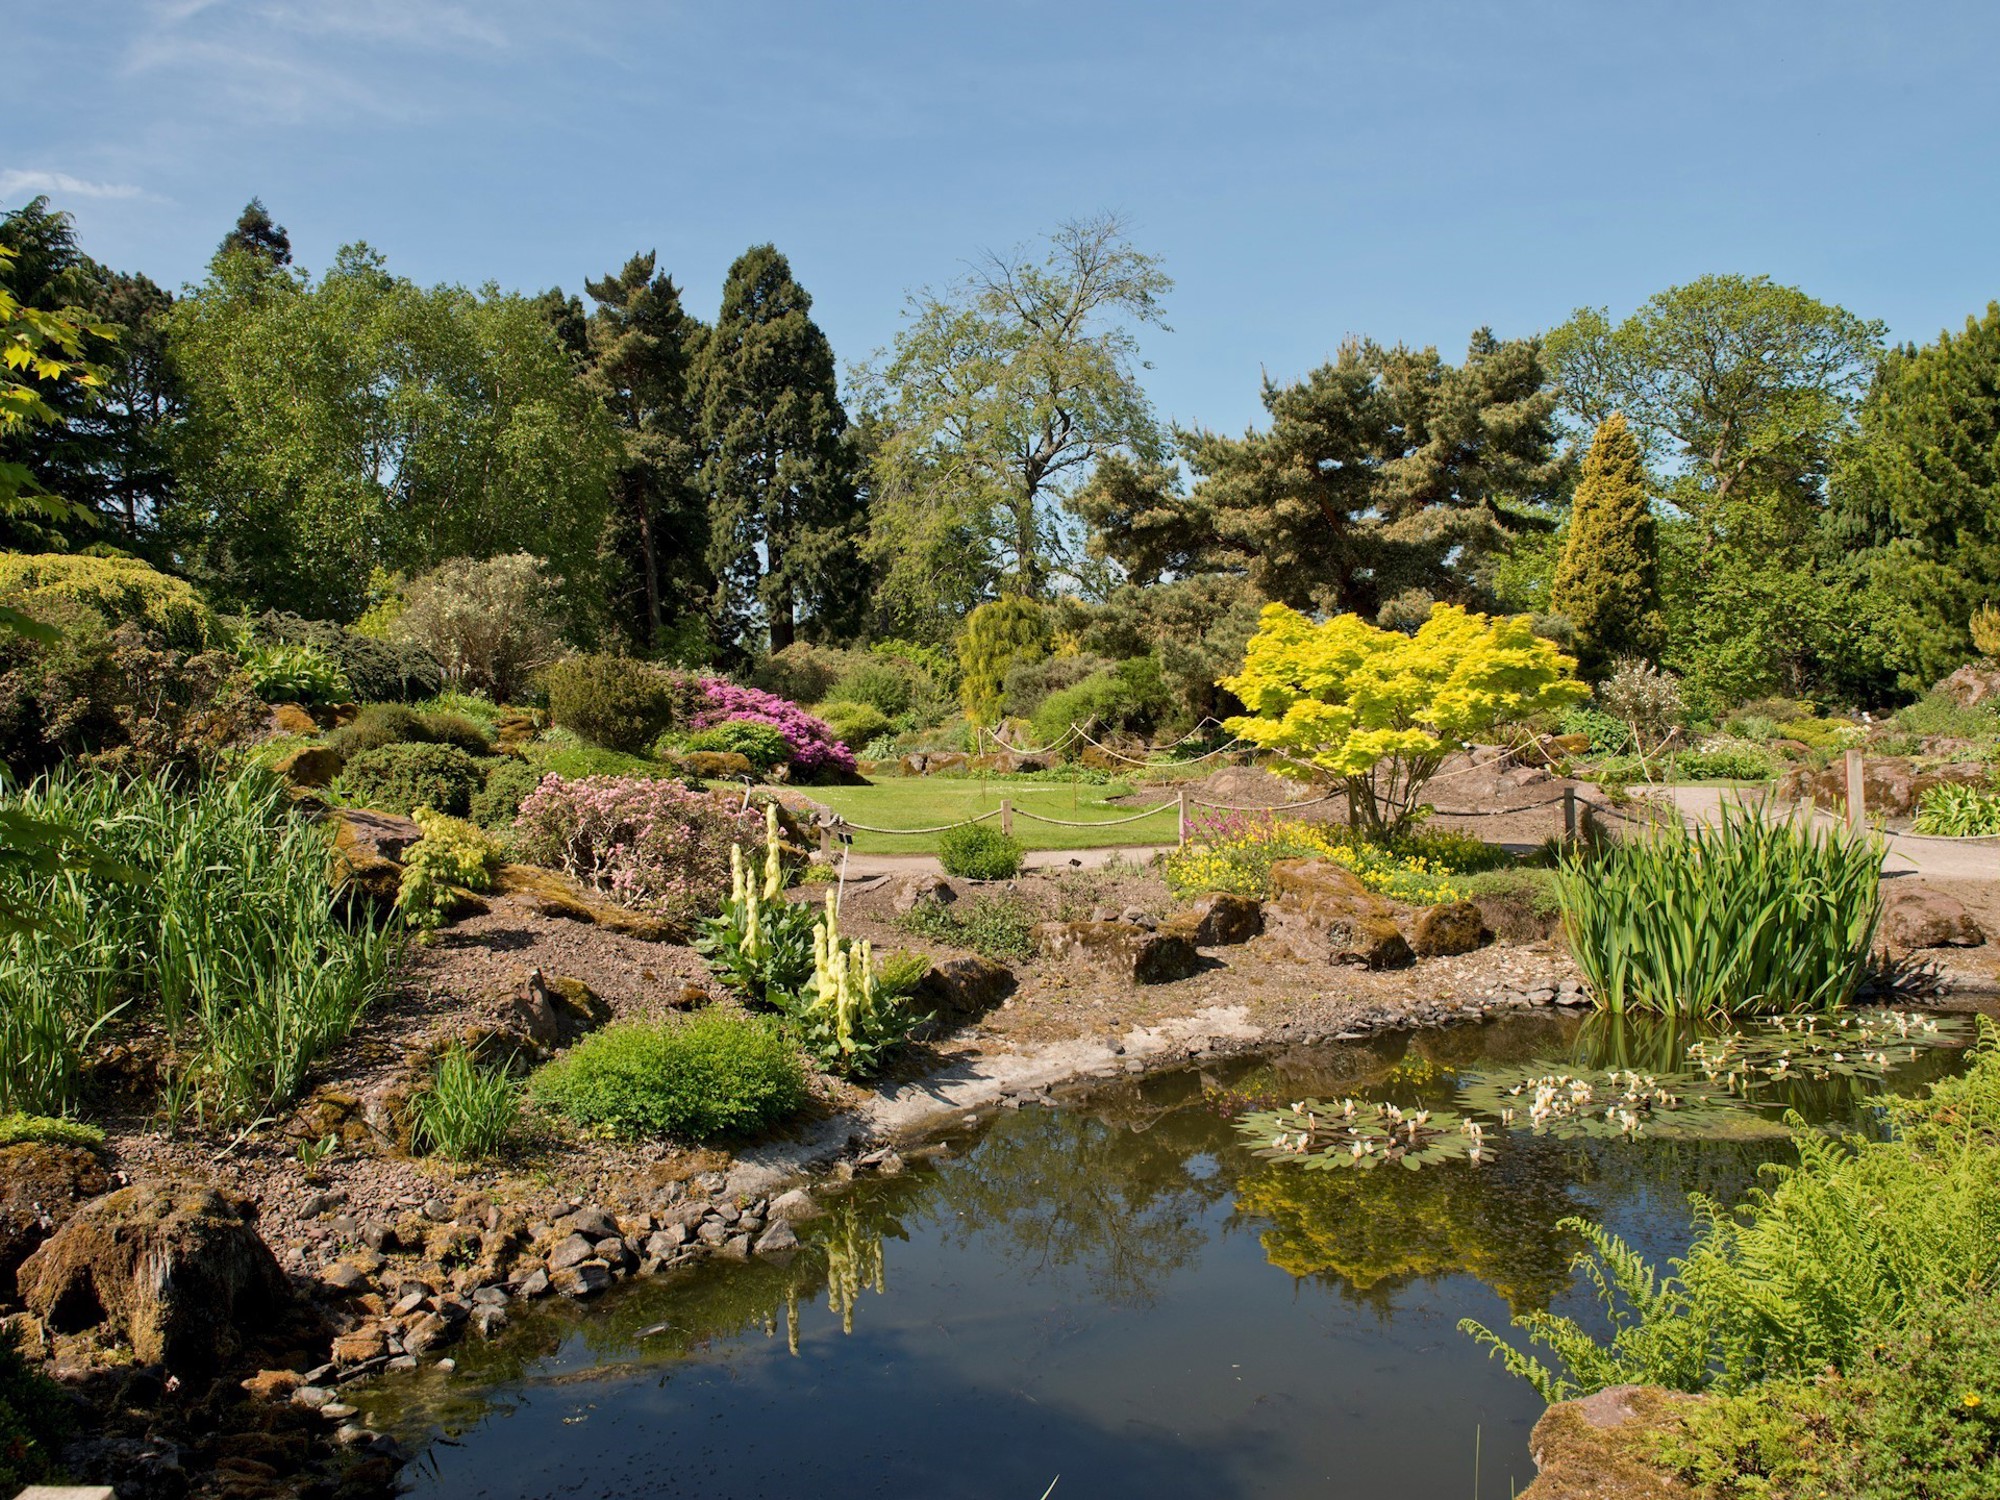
1381, 710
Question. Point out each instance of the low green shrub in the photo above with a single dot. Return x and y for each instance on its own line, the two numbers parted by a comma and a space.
46, 1130
997, 925
761, 744
507, 786
281, 673
456, 729
121, 590
452, 855
401, 778
1030, 684
1131, 696
613, 701
1723, 763
715, 1073
561, 753
900, 972
1955, 809
1934, 713
467, 1112
382, 724
378, 671
36, 1417
855, 725
977, 852
1749, 914
889, 687
1534, 888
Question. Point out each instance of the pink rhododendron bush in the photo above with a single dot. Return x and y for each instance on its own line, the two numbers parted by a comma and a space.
651, 845
814, 750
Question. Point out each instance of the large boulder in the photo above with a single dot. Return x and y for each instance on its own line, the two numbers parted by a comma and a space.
309, 766
1974, 683
1321, 911
1891, 786
1601, 1446
1122, 948
1454, 927
1915, 917
369, 849
174, 1268
962, 988
40, 1187
1218, 919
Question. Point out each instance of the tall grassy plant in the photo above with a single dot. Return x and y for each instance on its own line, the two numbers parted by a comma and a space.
223, 935
1748, 915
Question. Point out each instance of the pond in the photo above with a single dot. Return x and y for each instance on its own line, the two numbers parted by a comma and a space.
1116, 1298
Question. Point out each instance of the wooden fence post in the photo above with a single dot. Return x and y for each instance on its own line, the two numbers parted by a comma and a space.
1569, 814
1007, 816
1180, 820
1857, 794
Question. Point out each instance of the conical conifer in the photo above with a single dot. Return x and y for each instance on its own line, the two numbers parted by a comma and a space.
1608, 582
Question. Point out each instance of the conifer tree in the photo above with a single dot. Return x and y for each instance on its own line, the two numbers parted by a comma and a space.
258, 233
784, 514
641, 350
1607, 583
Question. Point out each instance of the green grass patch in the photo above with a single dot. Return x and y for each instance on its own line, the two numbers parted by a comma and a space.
926, 801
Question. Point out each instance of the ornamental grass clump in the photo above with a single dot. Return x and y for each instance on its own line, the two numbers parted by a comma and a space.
215, 925
1749, 915
717, 1072
468, 1111
651, 845
1956, 810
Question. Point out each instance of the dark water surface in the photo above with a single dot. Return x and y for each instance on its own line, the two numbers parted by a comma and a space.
1115, 1297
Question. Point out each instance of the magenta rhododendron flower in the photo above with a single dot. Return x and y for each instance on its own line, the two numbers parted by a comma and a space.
813, 748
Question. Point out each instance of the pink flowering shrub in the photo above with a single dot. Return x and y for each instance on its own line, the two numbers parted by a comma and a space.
651, 845
814, 750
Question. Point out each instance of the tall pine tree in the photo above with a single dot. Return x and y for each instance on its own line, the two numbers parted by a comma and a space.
642, 348
784, 512
1607, 583
259, 234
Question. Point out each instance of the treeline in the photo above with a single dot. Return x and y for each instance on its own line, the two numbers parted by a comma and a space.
1736, 481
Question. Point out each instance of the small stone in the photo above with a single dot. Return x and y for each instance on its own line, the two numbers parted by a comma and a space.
343, 1227
737, 1247
402, 1363
488, 1320
489, 1296
777, 1239
585, 1279
353, 1435
728, 1212
337, 1411
570, 1252
794, 1207
408, 1303
664, 1242
344, 1276
714, 1232
437, 1211
592, 1221
535, 1284
312, 1397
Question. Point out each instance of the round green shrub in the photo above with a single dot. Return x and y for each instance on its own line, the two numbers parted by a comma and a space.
507, 786
885, 685
380, 671
854, 724
612, 701
457, 729
761, 744
717, 1072
977, 852
401, 778
377, 725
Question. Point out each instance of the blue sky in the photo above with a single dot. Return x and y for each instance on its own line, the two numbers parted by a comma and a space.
1408, 171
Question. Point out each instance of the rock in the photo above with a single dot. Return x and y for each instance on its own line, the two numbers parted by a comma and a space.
40, 1186
290, 718
1218, 920
1120, 948
1247, 786
777, 1239
572, 1251
360, 1346
590, 1220
584, 1279
736, 1247
553, 1010
1971, 685
272, 1385
794, 1207
309, 765
1454, 927
175, 1268
437, 1211
534, 1284
550, 894
964, 988
1914, 917
370, 847
1600, 1447
924, 890
717, 765
345, 1276
662, 1243
1891, 786
429, 1332
1320, 910
488, 1321
312, 1397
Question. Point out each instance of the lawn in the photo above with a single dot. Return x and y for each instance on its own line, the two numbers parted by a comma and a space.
925, 801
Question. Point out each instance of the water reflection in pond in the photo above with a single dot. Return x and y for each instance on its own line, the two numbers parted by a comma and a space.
1119, 1294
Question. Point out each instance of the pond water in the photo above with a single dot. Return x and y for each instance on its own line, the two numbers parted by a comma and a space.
1116, 1298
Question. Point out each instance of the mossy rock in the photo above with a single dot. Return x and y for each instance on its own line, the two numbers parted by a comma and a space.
716, 765
1599, 1447
40, 1186
548, 893
309, 765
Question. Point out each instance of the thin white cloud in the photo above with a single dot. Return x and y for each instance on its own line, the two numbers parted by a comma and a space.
15, 181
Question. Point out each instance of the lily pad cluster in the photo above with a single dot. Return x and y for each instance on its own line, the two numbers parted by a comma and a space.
1363, 1134
1858, 1044
1609, 1103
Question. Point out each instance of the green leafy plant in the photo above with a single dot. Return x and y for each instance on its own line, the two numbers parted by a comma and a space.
281, 673
612, 701
1957, 810
847, 1020
855, 725
714, 1073
761, 744
1606, 734
382, 724
401, 778
468, 1111
998, 925
1748, 914
761, 945
1723, 763
453, 855
901, 971
977, 852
